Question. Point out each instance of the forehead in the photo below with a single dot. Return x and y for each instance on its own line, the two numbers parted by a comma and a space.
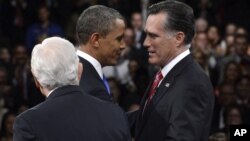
155, 23
118, 27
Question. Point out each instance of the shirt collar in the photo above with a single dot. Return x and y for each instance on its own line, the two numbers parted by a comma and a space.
165, 70
52, 91
92, 61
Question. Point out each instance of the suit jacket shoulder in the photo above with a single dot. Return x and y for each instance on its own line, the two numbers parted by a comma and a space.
92, 83
68, 114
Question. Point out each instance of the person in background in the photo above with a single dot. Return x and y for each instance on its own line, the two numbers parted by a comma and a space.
68, 114
44, 28
6, 126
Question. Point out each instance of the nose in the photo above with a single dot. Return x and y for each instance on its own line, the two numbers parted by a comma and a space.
146, 42
122, 44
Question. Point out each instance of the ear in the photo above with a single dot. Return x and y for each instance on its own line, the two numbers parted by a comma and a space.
38, 85
180, 36
94, 39
80, 69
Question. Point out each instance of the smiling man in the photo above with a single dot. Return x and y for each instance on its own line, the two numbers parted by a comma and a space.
178, 103
100, 31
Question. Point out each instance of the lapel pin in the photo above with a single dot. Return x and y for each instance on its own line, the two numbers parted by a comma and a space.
167, 84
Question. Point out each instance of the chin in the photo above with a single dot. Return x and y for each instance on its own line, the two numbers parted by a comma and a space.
113, 63
152, 61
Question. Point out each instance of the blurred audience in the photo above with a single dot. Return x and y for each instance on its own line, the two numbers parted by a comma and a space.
221, 46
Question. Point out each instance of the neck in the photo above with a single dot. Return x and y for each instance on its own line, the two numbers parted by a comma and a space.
90, 51
44, 91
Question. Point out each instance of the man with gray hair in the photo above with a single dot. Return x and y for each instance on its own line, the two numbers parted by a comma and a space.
67, 114
100, 31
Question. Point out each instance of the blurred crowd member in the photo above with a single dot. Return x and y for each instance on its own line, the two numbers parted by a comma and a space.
201, 25
225, 97
137, 50
243, 93
14, 19
7, 126
44, 28
233, 115
230, 72
220, 136
230, 29
23, 83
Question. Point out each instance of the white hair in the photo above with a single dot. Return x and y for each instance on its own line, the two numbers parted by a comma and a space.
54, 63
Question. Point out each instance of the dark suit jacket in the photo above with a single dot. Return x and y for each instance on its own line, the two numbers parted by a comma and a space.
92, 83
69, 115
181, 109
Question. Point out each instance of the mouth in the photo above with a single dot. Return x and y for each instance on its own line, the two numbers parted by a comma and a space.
150, 53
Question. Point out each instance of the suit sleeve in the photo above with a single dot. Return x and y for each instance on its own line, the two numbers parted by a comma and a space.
190, 115
132, 116
22, 130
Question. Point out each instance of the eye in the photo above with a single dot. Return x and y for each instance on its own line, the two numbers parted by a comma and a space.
152, 36
119, 38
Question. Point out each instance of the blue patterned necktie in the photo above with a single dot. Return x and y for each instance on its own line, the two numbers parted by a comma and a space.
106, 84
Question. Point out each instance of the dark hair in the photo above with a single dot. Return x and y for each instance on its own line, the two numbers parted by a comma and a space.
97, 18
180, 17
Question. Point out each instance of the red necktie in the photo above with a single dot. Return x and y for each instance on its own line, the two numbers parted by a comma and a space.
156, 82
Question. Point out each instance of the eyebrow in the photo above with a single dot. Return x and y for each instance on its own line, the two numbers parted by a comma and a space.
120, 37
151, 33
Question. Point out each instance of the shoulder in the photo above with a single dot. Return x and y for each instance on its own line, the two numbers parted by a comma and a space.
30, 113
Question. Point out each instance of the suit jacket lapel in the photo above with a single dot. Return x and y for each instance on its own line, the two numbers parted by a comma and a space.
92, 71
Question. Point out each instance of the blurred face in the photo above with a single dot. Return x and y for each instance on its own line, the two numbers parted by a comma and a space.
3, 77
5, 55
112, 45
213, 33
133, 66
137, 21
232, 72
244, 89
20, 55
129, 37
230, 40
43, 14
234, 117
199, 57
201, 40
230, 29
200, 25
114, 90
241, 44
227, 95
160, 45
9, 123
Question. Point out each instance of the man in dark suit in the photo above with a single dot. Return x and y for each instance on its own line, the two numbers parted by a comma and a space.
100, 33
67, 114
178, 104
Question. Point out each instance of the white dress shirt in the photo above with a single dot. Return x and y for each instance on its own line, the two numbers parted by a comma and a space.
166, 69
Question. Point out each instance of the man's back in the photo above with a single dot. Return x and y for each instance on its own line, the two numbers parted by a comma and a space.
70, 115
